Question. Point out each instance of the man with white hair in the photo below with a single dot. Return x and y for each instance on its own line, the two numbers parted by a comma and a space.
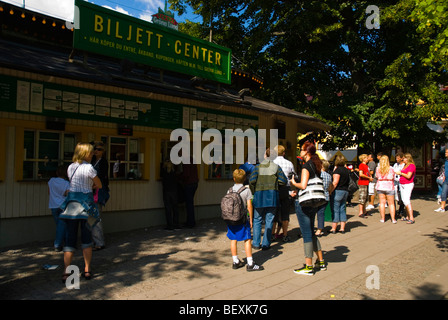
283, 214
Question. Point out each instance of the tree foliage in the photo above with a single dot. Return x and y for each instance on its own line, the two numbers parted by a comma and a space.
378, 88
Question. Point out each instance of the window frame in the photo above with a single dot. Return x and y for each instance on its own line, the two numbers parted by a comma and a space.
113, 140
35, 161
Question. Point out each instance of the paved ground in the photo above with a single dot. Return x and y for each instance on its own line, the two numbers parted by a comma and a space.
195, 264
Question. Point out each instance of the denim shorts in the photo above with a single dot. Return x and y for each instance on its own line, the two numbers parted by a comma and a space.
71, 235
386, 192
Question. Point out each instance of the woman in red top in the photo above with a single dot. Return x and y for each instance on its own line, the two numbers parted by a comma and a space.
407, 175
363, 182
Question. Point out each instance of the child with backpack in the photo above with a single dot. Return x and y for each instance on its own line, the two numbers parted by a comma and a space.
235, 205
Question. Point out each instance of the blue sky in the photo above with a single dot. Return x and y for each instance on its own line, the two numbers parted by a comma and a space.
64, 9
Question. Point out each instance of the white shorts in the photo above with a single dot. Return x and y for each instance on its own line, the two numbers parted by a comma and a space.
372, 188
406, 191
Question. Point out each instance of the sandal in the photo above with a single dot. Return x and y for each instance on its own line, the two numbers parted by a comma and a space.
65, 277
410, 222
87, 275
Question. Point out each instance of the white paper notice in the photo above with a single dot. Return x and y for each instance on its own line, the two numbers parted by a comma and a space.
37, 94
23, 96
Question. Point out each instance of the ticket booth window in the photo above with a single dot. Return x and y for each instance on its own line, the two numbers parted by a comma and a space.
125, 158
44, 151
219, 169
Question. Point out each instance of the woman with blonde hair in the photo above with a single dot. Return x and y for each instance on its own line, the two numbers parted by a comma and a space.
385, 187
407, 175
79, 207
363, 183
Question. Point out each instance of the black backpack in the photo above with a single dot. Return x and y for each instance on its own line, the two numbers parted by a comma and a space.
233, 210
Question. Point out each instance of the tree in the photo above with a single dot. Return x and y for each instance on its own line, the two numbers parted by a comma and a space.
378, 88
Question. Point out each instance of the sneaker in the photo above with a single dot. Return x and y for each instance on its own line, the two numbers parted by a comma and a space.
320, 265
370, 207
305, 270
440, 210
238, 265
254, 267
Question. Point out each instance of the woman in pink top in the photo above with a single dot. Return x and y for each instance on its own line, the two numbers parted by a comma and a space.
407, 175
385, 188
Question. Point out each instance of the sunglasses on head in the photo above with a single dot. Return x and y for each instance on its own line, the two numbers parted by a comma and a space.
99, 149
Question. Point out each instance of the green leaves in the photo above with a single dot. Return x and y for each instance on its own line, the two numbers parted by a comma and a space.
376, 87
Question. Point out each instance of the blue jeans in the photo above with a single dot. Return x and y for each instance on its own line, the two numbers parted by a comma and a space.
306, 217
60, 228
338, 203
444, 193
268, 214
71, 235
439, 188
321, 216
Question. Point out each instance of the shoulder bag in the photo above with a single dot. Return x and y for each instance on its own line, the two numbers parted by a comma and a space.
313, 195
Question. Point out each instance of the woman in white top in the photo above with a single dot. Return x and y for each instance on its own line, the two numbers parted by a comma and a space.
385, 187
83, 179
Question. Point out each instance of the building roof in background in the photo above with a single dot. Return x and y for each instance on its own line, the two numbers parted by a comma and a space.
50, 55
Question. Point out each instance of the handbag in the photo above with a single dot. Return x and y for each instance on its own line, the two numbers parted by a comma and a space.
313, 195
441, 178
352, 184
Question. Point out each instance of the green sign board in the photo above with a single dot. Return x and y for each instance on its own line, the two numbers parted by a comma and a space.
22, 95
117, 35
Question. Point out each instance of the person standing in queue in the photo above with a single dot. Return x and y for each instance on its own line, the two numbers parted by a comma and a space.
284, 193
189, 178
83, 179
264, 183
170, 194
307, 215
101, 196
407, 175
364, 179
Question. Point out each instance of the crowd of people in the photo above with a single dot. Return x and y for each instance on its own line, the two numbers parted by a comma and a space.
273, 185
269, 191
393, 184
78, 194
